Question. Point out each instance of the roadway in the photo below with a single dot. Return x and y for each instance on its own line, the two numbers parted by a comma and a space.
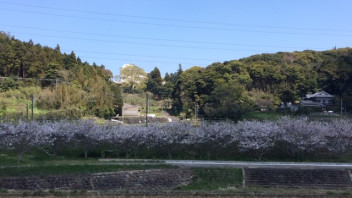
235, 164
245, 164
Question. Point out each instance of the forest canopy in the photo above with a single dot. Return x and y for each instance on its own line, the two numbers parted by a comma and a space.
264, 81
62, 81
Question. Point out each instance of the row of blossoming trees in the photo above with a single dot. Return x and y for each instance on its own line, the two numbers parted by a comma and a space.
287, 138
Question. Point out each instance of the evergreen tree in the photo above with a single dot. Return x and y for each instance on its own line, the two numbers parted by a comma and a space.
176, 93
154, 82
117, 101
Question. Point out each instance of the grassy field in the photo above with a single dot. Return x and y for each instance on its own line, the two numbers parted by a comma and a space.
215, 179
263, 115
206, 182
72, 169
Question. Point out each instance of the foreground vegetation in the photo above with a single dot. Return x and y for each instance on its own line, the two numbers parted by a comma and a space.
293, 139
206, 182
215, 179
41, 170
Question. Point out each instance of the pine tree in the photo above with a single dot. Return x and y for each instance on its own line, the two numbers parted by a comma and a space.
176, 93
154, 82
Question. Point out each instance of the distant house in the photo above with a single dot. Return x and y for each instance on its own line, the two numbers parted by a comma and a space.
318, 99
130, 110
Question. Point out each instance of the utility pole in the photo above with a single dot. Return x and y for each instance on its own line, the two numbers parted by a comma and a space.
341, 107
196, 111
146, 109
32, 107
27, 108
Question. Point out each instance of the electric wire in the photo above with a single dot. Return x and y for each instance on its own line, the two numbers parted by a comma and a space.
149, 38
177, 26
171, 19
139, 43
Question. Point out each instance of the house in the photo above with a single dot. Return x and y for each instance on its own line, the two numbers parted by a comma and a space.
318, 99
130, 110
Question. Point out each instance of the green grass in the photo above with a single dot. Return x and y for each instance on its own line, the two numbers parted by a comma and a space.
38, 163
72, 169
36, 158
42, 159
265, 115
215, 179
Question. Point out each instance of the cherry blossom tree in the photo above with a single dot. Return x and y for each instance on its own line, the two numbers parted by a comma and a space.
257, 136
24, 136
213, 139
300, 135
290, 135
86, 135
173, 137
338, 134
128, 139
61, 135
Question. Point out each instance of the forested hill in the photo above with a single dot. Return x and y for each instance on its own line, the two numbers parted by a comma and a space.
302, 72
63, 83
59, 81
264, 81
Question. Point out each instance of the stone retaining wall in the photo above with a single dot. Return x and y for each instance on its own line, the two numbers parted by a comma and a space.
312, 178
125, 180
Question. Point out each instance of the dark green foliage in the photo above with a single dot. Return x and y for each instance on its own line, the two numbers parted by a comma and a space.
7, 84
287, 95
225, 102
176, 93
66, 82
117, 99
154, 82
224, 90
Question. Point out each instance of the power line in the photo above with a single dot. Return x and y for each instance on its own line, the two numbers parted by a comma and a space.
149, 38
151, 61
175, 20
177, 26
138, 55
140, 43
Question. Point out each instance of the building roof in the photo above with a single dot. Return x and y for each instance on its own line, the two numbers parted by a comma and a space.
320, 94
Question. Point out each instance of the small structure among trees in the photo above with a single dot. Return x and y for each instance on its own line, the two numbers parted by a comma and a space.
318, 99
130, 110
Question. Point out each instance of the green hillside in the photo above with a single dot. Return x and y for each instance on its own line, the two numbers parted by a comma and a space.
61, 84
232, 88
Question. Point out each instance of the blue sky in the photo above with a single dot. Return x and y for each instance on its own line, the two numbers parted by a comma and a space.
165, 33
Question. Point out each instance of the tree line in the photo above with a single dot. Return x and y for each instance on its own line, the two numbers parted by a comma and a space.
288, 138
264, 81
62, 81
